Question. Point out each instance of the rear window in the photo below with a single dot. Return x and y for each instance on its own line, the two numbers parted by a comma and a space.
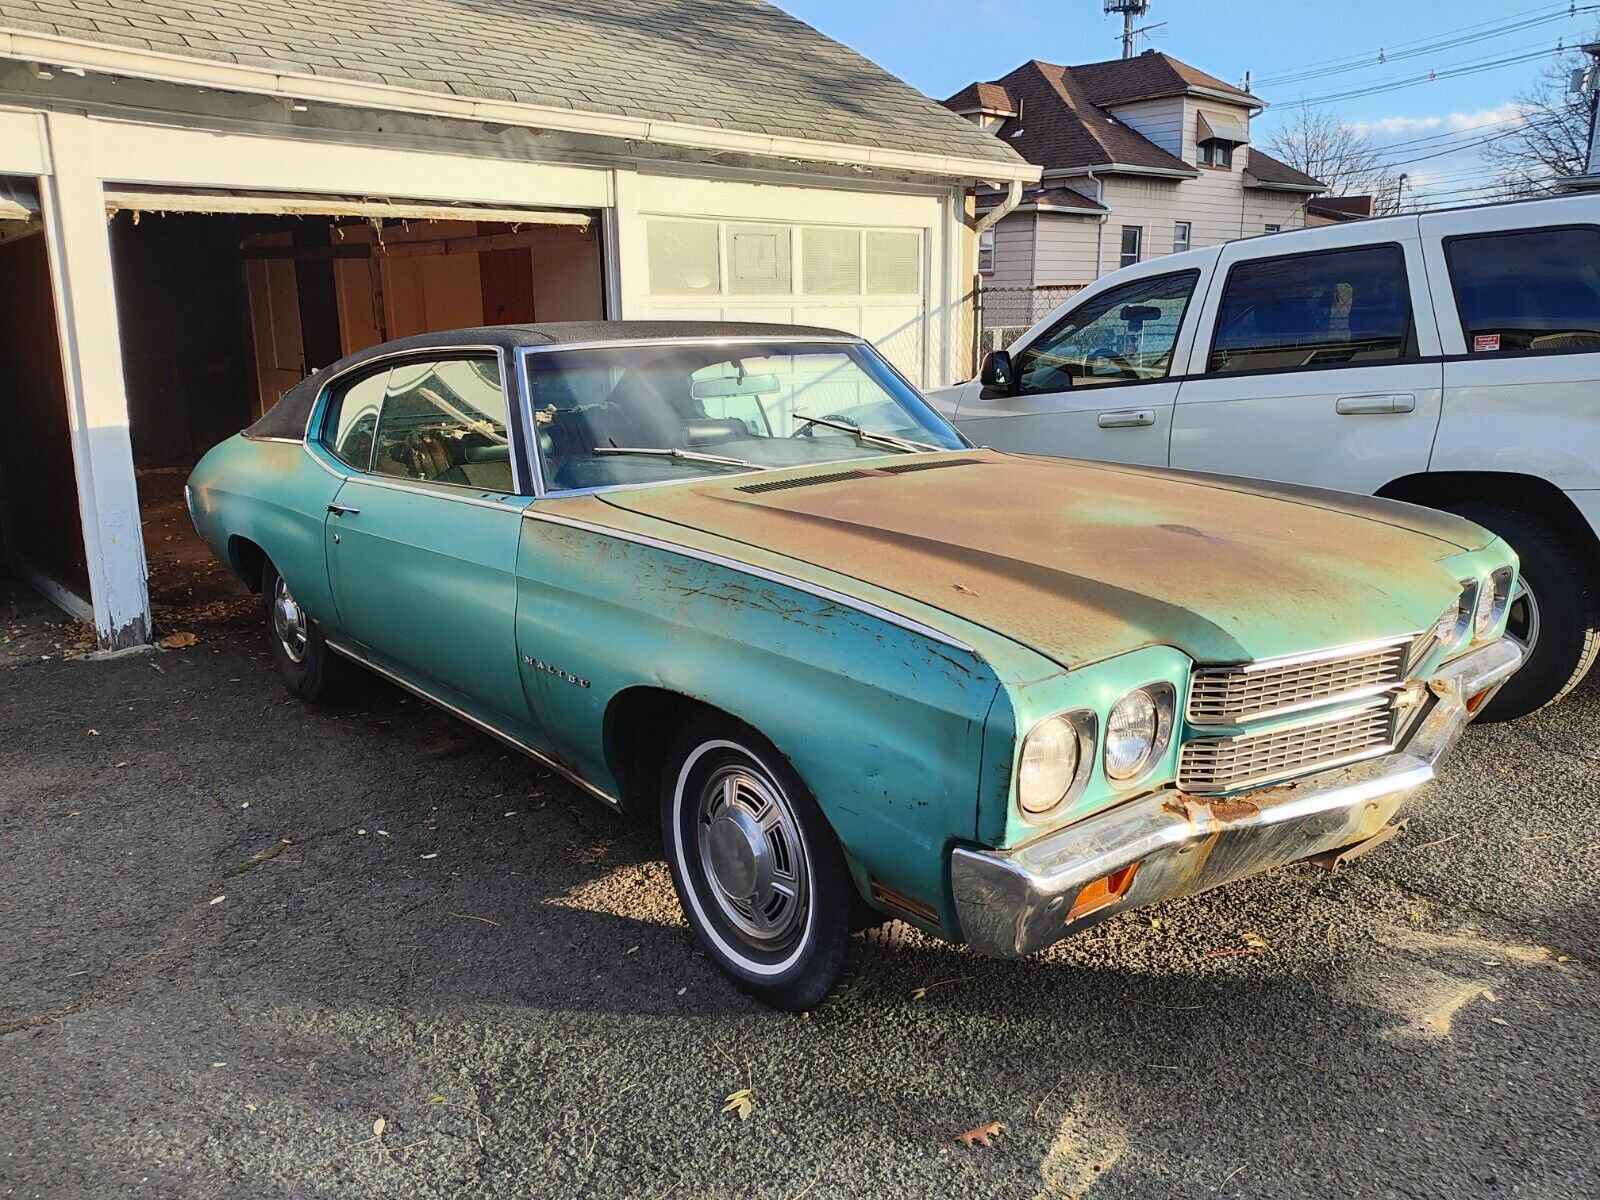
1345, 306
1538, 289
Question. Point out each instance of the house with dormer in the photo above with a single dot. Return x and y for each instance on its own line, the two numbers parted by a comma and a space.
1140, 157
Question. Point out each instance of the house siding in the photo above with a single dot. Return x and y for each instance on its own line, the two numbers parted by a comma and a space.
1014, 255
1163, 121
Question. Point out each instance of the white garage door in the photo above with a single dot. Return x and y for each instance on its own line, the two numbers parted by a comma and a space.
867, 281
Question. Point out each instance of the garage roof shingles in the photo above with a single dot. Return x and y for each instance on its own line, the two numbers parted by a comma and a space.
731, 64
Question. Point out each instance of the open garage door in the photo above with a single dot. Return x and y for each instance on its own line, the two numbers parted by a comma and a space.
226, 299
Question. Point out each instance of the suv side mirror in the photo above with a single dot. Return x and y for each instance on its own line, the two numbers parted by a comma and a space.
997, 370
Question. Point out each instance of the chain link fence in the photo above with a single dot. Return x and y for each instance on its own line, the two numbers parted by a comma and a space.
1004, 314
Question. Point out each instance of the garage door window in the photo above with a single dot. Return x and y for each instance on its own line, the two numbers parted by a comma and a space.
1346, 307
683, 258
1535, 290
695, 258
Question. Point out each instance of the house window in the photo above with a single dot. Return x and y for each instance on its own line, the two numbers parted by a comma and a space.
1214, 152
1132, 244
1180, 237
1274, 228
986, 252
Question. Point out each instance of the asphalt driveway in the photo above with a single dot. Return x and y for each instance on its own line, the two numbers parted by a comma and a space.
249, 948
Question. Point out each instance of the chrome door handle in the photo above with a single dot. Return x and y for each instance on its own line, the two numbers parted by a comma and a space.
1126, 419
340, 510
1400, 402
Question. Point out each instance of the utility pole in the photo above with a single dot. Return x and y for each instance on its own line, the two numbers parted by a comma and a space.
1131, 11
1586, 83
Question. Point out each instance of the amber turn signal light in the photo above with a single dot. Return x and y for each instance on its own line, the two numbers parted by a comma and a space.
1103, 891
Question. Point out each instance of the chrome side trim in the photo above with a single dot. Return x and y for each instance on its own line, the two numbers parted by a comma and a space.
744, 568
253, 437
419, 488
515, 743
698, 339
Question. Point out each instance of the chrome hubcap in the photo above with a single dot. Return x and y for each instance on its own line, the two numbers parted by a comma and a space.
288, 622
753, 855
1522, 622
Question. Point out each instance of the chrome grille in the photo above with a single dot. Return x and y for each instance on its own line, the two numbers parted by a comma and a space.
1233, 695
1227, 763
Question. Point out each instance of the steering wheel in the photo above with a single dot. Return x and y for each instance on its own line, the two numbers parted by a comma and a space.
1106, 354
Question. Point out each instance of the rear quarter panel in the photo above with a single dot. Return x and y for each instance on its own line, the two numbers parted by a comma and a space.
275, 495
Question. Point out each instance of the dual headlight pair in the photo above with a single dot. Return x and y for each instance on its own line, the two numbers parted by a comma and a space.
1480, 606
1058, 753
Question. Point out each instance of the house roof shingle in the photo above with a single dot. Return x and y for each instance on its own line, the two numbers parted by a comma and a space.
1268, 170
1058, 124
985, 97
1148, 76
741, 65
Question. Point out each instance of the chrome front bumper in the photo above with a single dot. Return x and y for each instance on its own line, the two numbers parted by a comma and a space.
1015, 902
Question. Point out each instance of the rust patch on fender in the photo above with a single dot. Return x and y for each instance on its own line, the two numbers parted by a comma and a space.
1223, 809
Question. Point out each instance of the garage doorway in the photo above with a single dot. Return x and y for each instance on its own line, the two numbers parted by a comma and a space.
221, 312
41, 534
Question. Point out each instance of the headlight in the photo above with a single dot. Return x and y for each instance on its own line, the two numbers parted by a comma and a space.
1453, 624
1137, 730
1051, 757
1493, 596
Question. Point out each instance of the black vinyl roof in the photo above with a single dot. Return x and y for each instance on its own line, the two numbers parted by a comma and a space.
288, 417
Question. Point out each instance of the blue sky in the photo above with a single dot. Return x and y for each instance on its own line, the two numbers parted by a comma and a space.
940, 45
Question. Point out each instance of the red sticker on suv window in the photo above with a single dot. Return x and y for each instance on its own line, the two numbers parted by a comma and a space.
1486, 341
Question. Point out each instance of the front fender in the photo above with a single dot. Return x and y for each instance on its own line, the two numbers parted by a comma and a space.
885, 724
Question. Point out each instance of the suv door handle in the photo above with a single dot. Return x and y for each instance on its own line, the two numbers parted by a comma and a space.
340, 510
1399, 402
1127, 418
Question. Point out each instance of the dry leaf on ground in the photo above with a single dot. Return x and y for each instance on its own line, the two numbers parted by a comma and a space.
177, 641
980, 1135
742, 1102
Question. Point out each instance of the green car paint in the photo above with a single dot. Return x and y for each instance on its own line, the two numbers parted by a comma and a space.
895, 634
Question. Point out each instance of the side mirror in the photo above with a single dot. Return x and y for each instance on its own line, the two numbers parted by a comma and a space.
997, 370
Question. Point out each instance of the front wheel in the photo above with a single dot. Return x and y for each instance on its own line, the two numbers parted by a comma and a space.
759, 872
1555, 612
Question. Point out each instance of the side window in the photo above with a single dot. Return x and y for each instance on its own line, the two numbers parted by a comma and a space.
1537, 289
444, 421
353, 420
1344, 306
1126, 333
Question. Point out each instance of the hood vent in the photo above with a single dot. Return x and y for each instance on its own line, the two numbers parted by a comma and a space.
783, 485
935, 465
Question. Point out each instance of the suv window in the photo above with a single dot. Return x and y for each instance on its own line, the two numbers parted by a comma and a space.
353, 419
1342, 306
1537, 289
444, 421
1126, 333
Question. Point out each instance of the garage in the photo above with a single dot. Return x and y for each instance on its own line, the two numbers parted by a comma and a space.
189, 234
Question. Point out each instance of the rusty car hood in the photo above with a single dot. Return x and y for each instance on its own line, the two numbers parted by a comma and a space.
1083, 560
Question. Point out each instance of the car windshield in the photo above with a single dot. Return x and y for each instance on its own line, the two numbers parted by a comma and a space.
646, 414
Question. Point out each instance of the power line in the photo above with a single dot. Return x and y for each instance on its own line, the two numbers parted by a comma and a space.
1384, 57
1455, 72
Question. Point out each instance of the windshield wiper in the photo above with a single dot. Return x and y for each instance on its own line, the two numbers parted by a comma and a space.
680, 456
867, 435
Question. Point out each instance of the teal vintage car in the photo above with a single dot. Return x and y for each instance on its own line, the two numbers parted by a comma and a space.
742, 578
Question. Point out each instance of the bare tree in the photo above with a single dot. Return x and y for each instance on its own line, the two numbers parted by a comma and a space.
1320, 143
1550, 142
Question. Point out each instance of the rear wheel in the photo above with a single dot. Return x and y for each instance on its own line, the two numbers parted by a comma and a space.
1555, 612
309, 668
759, 872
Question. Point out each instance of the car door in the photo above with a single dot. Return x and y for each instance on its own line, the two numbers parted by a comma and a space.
1098, 382
422, 537
1518, 301
1319, 367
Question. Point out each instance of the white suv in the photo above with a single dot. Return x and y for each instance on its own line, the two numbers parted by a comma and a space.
1450, 359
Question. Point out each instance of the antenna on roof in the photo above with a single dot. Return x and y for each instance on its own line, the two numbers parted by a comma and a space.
1131, 11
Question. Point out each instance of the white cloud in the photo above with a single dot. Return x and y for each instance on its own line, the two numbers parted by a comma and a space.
1396, 127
